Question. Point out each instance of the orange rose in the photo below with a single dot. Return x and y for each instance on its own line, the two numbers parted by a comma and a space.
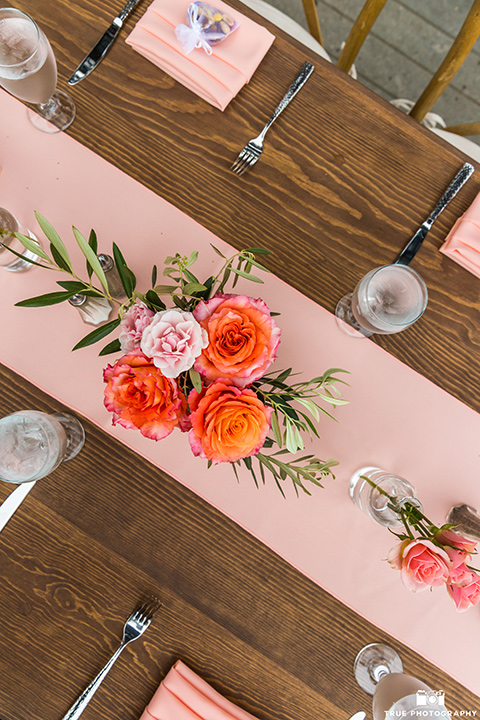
227, 423
243, 338
139, 396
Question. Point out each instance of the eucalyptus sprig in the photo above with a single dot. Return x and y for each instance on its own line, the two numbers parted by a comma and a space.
294, 405
288, 419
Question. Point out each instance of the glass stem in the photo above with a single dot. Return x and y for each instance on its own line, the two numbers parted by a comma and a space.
48, 108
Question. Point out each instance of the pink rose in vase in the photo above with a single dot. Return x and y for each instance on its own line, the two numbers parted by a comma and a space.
464, 596
422, 564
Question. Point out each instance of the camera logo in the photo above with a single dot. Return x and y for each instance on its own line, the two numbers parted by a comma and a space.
430, 698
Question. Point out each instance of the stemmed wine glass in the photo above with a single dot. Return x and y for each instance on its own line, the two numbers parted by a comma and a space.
32, 445
387, 299
28, 70
378, 670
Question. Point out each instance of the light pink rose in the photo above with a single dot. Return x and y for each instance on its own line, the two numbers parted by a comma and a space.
173, 340
464, 596
458, 548
132, 326
421, 563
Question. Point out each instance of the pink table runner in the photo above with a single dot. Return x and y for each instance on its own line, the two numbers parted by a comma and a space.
391, 407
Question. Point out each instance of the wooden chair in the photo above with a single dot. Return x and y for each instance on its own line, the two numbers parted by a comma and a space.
369, 13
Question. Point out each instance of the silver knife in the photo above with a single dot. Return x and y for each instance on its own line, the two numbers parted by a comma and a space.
98, 52
13, 502
411, 248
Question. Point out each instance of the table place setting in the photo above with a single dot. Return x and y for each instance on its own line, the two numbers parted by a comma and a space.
265, 405
377, 381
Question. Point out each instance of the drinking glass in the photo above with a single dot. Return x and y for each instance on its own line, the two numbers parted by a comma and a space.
387, 300
34, 443
28, 70
374, 502
378, 670
9, 261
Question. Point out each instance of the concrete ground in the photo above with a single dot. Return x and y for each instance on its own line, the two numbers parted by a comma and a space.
405, 47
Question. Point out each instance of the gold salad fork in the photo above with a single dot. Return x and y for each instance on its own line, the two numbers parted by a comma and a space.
135, 626
253, 149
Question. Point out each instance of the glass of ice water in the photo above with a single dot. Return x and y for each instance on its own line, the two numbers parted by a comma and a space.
387, 300
8, 260
34, 443
28, 70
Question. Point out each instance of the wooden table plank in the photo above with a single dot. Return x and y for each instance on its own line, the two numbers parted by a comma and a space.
260, 631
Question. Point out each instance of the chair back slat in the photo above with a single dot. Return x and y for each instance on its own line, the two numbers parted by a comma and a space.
465, 130
454, 59
363, 24
313, 21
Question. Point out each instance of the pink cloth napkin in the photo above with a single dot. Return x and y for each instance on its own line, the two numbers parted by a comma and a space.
218, 77
463, 241
183, 695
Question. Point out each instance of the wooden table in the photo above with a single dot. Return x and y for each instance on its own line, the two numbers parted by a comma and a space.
108, 527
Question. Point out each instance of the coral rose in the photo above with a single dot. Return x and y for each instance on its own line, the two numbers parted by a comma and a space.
228, 423
422, 564
243, 338
173, 339
139, 396
464, 596
133, 324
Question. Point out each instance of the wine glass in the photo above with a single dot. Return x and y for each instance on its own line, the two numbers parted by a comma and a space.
378, 670
374, 500
9, 261
387, 299
34, 443
28, 70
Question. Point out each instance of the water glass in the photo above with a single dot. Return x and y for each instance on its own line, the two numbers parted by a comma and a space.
378, 669
9, 261
34, 443
28, 70
387, 300
374, 501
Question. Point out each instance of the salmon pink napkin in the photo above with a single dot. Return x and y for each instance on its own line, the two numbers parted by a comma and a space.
183, 695
218, 77
463, 241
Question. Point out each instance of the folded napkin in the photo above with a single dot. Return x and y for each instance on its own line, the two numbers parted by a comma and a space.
463, 241
183, 695
218, 77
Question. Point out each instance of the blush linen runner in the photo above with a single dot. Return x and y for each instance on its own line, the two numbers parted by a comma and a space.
463, 241
216, 78
183, 695
396, 419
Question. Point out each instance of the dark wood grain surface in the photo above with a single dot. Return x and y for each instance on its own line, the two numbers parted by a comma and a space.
343, 183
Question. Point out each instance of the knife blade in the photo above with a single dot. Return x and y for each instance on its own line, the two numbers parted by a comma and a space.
409, 251
100, 49
13, 502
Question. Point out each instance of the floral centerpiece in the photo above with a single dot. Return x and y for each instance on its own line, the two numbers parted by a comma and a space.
201, 363
429, 556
